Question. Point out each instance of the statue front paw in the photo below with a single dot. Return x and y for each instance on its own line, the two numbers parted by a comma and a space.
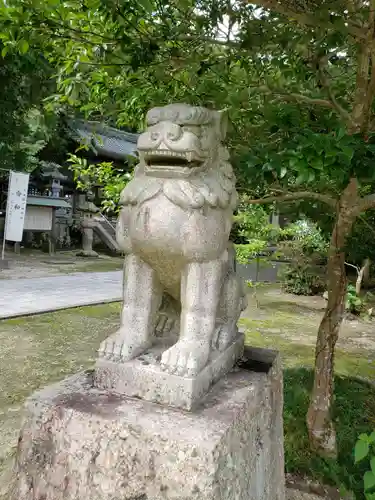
186, 358
120, 348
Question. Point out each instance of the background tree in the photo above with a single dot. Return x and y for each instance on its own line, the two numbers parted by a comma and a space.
24, 127
298, 81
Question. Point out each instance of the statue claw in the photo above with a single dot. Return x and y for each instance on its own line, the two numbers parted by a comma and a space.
185, 358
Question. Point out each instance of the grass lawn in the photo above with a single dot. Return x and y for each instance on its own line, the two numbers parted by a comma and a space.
39, 350
291, 328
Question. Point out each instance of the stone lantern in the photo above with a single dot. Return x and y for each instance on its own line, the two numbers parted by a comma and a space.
87, 209
52, 171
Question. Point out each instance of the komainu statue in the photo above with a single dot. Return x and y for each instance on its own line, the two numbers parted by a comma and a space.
174, 227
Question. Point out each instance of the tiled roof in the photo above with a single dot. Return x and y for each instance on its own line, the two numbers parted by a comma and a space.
107, 141
47, 201
51, 169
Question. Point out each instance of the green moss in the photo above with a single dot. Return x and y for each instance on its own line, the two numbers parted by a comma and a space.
354, 404
96, 266
353, 413
39, 350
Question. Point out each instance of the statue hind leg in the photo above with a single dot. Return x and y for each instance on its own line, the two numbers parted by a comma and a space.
168, 317
232, 302
142, 295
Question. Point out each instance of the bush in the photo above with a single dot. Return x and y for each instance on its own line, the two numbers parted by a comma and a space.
364, 449
302, 280
305, 247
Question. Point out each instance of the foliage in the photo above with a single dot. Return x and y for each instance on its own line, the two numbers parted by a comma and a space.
88, 175
364, 449
354, 304
251, 223
251, 233
302, 280
305, 247
117, 60
24, 127
304, 238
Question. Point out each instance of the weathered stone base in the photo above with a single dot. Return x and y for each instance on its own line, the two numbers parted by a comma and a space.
80, 443
143, 378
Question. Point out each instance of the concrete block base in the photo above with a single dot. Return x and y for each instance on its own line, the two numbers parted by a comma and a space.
143, 378
80, 443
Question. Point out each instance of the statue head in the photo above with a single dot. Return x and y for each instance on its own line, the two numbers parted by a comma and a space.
180, 140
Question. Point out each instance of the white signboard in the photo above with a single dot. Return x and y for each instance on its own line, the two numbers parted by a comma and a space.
16, 206
38, 218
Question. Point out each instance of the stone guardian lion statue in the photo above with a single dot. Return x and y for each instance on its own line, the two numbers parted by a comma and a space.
174, 225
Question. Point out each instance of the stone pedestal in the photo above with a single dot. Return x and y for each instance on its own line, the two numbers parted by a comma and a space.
143, 377
82, 443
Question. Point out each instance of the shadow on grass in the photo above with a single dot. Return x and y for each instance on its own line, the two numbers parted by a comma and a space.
354, 413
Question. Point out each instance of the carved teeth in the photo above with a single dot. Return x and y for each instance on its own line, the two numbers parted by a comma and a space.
164, 152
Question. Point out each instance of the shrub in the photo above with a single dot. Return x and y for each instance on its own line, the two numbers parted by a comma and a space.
302, 280
305, 247
364, 449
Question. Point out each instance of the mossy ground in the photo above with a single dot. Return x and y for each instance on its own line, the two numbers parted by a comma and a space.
39, 350
289, 324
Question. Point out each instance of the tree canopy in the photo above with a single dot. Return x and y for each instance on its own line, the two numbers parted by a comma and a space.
287, 82
24, 125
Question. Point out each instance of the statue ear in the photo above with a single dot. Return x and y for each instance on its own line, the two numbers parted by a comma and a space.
222, 123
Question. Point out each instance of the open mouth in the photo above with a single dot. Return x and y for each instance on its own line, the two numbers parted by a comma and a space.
171, 159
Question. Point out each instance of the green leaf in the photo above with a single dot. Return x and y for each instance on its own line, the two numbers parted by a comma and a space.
4, 51
371, 437
283, 172
317, 163
361, 450
23, 46
340, 134
369, 480
362, 437
372, 463
348, 151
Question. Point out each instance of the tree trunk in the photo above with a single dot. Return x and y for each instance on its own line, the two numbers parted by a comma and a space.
319, 421
363, 275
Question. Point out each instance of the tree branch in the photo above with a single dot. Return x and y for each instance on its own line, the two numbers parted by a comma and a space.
325, 81
300, 195
366, 203
297, 97
306, 19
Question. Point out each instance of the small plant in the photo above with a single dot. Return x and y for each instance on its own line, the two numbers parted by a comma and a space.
354, 304
302, 279
305, 247
364, 449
